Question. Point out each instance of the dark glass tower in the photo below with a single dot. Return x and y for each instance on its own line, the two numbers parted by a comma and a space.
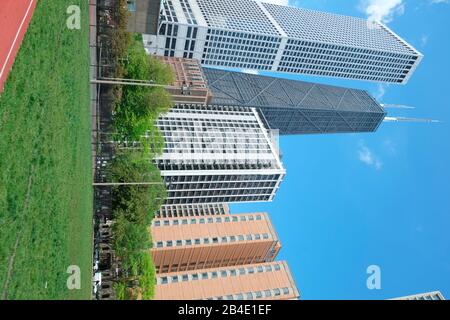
297, 107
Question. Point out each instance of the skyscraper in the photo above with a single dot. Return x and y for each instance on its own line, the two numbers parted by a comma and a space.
297, 107
436, 295
218, 154
265, 281
192, 210
182, 244
262, 36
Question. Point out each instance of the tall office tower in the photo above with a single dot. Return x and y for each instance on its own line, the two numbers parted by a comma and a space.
182, 244
266, 281
436, 295
297, 107
190, 84
262, 36
218, 154
193, 210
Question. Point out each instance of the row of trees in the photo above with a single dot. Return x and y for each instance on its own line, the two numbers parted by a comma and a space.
136, 110
133, 210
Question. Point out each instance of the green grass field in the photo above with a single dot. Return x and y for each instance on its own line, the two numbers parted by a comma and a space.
45, 160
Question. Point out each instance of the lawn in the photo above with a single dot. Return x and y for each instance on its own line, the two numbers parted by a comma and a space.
45, 160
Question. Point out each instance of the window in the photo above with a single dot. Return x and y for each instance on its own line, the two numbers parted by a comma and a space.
195, 276
164, 280
131, 5
223, 273
157, 223
213, 275
174, 279
185, 277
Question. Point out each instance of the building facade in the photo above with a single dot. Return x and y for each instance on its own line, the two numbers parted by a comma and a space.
190, 85
218, 154
181, 244
193, 210
265, 281
297, 107
143, 16
262, 36
436, 295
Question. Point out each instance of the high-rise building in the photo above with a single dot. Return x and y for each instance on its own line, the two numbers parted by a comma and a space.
182, 244
192, 210
263, 36
436, 295
143, 16
297, 107
218, 154
190, 84
265, 281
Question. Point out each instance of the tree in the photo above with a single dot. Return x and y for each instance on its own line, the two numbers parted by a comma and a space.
136, 203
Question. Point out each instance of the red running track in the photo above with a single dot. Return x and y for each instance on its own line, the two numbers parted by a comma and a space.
15, 15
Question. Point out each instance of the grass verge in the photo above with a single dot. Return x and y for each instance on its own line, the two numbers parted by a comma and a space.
45, 160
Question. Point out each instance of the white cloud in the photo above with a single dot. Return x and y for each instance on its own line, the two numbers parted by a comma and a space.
382, 10
424, 40
366, 156
380, 92
438, 1
390, 146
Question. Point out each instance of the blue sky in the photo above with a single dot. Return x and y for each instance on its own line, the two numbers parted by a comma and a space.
350, 201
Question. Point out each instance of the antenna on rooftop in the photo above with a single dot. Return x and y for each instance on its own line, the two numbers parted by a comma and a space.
412, 120
396, 106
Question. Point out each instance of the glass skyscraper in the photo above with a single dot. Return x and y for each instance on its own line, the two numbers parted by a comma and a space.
297, 107
255, 35
218, 154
